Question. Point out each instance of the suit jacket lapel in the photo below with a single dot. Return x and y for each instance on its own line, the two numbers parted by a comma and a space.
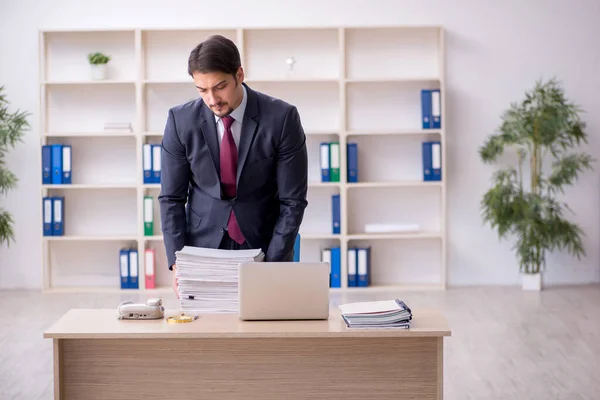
248, 130
211, 137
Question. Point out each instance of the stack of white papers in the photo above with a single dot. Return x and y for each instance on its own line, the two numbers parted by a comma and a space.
208, 278
377, 314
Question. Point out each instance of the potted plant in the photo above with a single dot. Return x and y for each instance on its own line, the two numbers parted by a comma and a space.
12, 126
523, 202
98, 62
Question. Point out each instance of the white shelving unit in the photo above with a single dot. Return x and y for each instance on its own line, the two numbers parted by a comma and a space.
350, 84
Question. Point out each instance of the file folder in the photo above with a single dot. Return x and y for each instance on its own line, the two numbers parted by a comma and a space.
124, 268
46, 164
335, 213
58, 208
148, 216
326, 257
363, 257
336, 270
426, 109
156, 163
334, 162
149, 263
352, 156
133, 282
352, 267
432, 161
57, 166
47, 215
324, 159
436, 109
147, 162
66, 164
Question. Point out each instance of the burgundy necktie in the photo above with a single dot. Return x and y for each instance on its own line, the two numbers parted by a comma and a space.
229, 158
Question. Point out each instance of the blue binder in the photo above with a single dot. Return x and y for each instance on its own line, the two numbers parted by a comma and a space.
58, 212
156, 163
133, 280
432, 161
47, 215
66, 164
352, 267
47, 164
147, 163
336, 270
297, 248
57, 174
335, 213
363, 266
324, 162
352, 154
436, 109
426, 109
124, 268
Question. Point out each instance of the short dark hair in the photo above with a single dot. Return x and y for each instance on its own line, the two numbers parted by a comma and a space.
217, 53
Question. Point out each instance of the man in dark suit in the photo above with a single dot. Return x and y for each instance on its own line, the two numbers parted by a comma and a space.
237, 157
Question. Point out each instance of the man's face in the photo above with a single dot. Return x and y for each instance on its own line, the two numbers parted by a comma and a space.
220, 91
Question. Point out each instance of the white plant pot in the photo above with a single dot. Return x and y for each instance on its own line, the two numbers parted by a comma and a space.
532, 282
99, 71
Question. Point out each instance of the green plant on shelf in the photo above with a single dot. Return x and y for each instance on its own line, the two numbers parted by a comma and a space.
98, 58
12, 128
544, 126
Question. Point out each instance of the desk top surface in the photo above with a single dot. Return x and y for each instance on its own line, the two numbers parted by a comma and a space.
103, 323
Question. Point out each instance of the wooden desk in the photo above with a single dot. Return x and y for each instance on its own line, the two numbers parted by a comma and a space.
218, 357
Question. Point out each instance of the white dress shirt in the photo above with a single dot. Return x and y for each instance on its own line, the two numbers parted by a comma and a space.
236, 126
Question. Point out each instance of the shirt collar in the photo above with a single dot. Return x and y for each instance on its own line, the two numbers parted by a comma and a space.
238, 113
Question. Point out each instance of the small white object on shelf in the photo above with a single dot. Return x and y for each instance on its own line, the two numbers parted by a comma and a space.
387, 228
99, 71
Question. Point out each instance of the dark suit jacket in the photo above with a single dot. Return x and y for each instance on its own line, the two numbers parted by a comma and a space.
272, 178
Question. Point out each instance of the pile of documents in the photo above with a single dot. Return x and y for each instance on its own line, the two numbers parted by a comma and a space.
208, 278
377, 314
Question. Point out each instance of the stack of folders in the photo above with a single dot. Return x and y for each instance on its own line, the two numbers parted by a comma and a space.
151, 160
377, 314
208, 278
329, 159
56, 164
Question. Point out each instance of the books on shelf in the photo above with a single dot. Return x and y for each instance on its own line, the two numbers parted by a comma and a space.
358, 262
431, 108
377, 314
329, 159
208, 278
151, 154
129, 268
56, 164
53, 210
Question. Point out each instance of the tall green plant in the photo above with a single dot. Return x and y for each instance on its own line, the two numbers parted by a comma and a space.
12, 128
543, 125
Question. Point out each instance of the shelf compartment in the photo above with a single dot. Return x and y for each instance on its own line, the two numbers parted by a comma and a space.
318, 102
402, 262
315, 52
89, 264
387, 160
420, 206
160, 97
88, 107
392, 53
67, 55
385, 107
100, 162
98, 213
166, 52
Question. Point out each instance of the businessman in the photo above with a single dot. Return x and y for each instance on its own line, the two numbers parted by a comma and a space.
237, 157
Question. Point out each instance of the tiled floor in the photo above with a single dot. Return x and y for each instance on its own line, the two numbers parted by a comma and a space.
506, 344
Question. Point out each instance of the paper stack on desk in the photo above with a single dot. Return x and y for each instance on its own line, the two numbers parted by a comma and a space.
208, 278
377, 314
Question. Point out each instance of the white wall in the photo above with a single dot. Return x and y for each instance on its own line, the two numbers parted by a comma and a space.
495, 51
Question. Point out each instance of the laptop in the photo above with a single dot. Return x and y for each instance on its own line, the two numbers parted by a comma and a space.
283, 291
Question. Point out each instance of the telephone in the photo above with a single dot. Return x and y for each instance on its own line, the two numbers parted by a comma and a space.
153, 309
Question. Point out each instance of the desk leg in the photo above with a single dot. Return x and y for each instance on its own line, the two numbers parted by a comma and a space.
58, 368
440, 368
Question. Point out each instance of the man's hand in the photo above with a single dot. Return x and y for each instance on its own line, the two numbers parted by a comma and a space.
175, 281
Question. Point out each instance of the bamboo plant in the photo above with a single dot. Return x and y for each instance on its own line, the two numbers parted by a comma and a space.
544, 129
12, 127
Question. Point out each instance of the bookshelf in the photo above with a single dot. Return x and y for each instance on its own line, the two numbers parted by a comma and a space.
351, 84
